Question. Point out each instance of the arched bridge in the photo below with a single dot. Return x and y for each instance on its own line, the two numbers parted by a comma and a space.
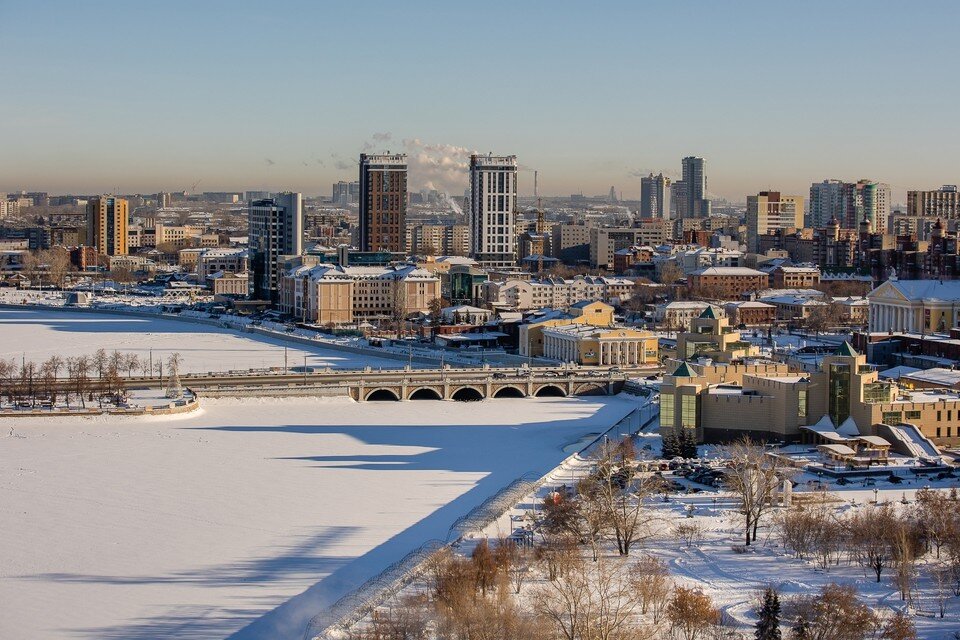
485, 387
424, 384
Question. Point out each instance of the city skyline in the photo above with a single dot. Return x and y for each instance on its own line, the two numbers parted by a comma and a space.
195, 100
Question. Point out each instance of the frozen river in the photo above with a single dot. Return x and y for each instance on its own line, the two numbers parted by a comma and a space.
37, 335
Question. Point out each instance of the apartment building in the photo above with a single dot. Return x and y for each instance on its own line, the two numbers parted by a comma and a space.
557, 293
493, 210
107, 225
334, 294
383, 202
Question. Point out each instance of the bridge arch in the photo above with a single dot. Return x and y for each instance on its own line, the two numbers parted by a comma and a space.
383, 395
509, 391
550, 391
425, 393
467, 394
591, 389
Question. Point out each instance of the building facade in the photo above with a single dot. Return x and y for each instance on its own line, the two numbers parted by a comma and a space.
383, 202
942, 203
334, 294
493, 204
826, 203
275, 231
584, 344
914, 306
691, 190
866, 200
655, 197
726, 282
769, 211
107, 225
558, 293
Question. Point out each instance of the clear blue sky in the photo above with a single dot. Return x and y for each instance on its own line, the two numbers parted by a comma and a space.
246, 95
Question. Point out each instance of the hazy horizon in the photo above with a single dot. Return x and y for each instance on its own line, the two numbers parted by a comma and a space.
109, 96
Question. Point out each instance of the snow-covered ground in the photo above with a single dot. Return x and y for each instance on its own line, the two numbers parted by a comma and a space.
198, 526
37, 335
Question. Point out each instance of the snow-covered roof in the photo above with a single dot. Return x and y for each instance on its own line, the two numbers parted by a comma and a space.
339, 272
750, 304
464, 308
895, 373
927, 289
937, 375
727, 271
838, 449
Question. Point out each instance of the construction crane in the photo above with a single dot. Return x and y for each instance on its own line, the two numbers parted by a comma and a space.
193, 187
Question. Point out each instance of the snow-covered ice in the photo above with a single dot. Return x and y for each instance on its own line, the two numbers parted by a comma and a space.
202, 525
40, 334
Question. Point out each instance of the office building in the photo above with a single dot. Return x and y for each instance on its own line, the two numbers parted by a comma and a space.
769, 211
842, 406
107, 225
493, 203
655, 197
692, 189
606, 241
826, 203
383, 202
942, 203
276, 230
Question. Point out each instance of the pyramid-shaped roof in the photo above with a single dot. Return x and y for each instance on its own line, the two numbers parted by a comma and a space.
846, 349
708, 313
684, 371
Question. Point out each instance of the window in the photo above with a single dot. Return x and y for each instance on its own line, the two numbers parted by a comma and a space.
688, 411
839, 388
939, 417
913, 415
667, 410
802, 403
891, 417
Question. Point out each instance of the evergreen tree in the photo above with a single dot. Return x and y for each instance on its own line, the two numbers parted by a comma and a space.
688, 443
768, 622
670, 447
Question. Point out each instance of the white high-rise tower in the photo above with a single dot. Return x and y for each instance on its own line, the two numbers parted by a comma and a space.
493, 205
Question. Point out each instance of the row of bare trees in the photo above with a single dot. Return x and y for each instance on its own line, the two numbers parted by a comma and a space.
884, 538
476, 598
79, 379
615, 598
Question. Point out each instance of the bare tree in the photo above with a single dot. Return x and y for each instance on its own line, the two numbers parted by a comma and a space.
621, 493
753, 477
904, 543
590, 602
899, 627
174, 388
407, 620
651, 581
691, 613
131, 363
834, 614
688, 533
871, 537
57, 263
514, 560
